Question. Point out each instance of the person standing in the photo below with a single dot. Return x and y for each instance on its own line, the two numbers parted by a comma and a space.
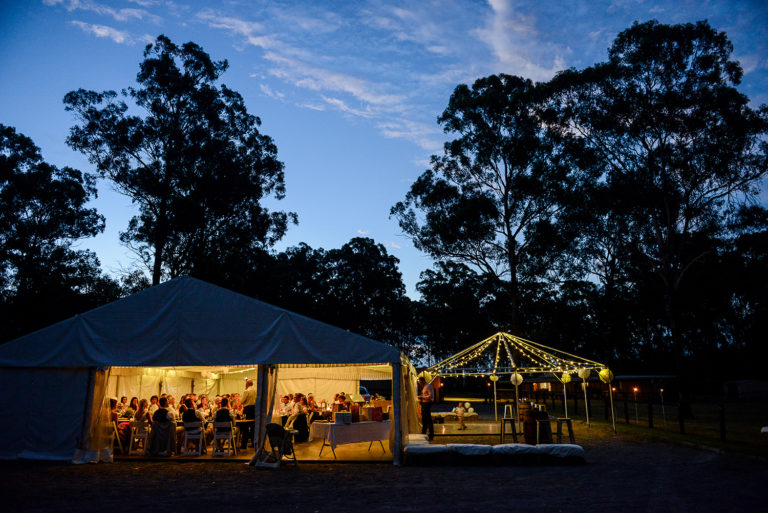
249, 412
426, 398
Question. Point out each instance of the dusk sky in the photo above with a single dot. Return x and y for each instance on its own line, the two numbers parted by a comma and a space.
349, 91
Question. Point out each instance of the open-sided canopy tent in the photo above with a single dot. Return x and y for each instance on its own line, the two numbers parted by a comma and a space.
55, 380
508, 355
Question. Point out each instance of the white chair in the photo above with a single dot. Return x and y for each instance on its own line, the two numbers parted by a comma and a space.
139, 435
193, 432
116, 439
224, 439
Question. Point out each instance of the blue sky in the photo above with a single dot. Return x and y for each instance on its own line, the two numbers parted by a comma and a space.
350, 91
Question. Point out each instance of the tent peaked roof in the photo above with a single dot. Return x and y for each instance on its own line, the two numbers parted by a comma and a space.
186, 321
503, 353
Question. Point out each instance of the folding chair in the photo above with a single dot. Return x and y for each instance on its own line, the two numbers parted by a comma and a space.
139, 433
281, 446
193, 432
116, 439
224, 443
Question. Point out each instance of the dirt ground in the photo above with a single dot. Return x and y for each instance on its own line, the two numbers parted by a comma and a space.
620, 476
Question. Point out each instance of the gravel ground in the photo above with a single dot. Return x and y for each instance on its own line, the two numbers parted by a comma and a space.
621, 475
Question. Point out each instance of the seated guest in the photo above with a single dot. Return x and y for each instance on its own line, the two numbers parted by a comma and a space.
298, 421
216, 405
193, 415
122, 405
204, 407
134, 404
284, 409
237, 406
123, 428
153, 406
223, 414
163, 435
142, 412
172, 405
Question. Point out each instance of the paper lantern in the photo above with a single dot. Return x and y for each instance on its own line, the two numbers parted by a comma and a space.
606, 376
494, 378
471, 410
584, 374
516, 379
426, 375
467, 405
565, 378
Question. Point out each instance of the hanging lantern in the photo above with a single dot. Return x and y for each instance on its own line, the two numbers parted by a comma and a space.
584, 373
493, 377
516, 379
426, 375
565, 378
606, 376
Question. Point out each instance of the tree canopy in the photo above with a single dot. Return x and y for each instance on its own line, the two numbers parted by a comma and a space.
43, 213
195, 163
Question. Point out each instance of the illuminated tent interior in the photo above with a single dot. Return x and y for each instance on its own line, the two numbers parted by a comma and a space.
322, 382
181, 336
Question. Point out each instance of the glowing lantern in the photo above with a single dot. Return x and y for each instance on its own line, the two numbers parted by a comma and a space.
516, 379
584, 374
565, 378
494, 378
426, 375
606, 376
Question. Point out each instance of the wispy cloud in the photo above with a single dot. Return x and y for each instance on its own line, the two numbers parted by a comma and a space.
123, 15
517, 44
103, 31
362, 232
426, 136
269, 92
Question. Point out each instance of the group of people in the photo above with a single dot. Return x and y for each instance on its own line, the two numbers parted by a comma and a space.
162, 412
297, 411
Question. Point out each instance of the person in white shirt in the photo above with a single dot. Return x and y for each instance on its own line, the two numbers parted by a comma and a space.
426, 398
249, 412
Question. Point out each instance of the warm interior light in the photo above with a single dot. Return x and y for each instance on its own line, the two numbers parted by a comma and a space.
635, 389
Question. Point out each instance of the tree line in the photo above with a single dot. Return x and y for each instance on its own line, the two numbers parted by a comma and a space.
612, 211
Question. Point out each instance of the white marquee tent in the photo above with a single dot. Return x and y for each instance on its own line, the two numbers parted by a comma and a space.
180, 336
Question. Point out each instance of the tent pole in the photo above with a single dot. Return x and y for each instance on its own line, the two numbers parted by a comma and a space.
613, 415
586, 403
397, 404
517, 406
495, 409
565, 401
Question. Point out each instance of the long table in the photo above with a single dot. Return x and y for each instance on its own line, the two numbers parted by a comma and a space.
338, 434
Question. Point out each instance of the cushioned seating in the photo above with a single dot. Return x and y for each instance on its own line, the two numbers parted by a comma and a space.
516, 454
471, 454
562, 453
430, 454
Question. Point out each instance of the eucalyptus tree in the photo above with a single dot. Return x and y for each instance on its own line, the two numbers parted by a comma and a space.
665, 117
189, 154
500, 181
44, 212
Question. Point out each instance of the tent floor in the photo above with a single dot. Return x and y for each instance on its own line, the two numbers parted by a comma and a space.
306, 452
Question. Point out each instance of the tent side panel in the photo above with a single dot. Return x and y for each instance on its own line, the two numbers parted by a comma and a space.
46, 408
14, 383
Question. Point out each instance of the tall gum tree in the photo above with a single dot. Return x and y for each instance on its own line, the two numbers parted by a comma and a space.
665, 117
500, 180
195, 163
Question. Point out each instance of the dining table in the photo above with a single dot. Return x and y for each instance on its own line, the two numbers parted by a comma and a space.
334, 434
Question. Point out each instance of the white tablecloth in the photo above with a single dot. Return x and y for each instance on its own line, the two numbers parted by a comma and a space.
338, 434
